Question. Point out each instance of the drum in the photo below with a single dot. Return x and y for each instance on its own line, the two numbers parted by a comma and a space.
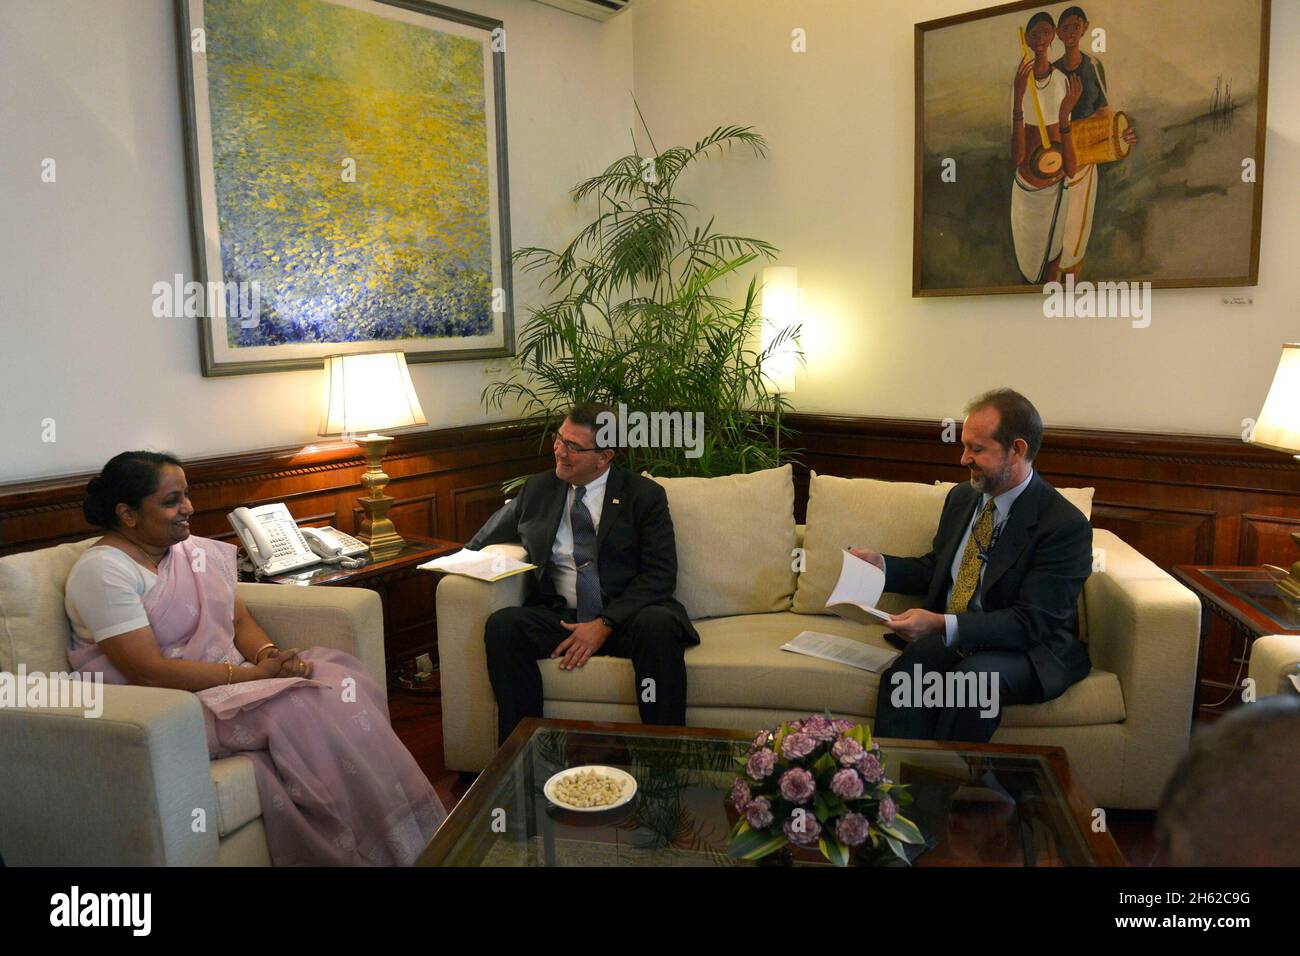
1099, 139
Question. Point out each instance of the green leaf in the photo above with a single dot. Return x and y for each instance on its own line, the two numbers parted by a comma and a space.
741, 826
903, 829
825, 763
858, 733
755, 844
898, 849
834, 850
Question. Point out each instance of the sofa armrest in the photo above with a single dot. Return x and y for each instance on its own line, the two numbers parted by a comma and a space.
469, 711
1144, 627
345, 619
1273, 659
118, 789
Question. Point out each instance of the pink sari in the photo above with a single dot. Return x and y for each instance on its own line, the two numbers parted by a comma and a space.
336, 785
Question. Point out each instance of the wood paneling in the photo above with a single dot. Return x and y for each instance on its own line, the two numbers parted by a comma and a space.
319, 483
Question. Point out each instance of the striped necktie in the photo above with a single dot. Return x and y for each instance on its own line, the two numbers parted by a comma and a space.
584, 556
968, 575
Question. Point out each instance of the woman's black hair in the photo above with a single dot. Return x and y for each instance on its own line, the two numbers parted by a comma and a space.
128, 478
1072, 12
1040, 17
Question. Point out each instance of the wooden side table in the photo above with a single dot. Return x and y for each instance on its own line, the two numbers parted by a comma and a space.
1243, 597
410, 621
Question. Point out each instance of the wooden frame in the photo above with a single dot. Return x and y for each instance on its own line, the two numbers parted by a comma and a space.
338, 303
922, 287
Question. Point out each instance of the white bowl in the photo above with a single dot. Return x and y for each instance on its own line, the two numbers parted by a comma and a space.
625, 780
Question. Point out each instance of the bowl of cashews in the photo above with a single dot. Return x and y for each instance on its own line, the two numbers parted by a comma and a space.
590, 789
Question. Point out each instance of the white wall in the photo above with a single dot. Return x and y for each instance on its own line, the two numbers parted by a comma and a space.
93, 84
835, 194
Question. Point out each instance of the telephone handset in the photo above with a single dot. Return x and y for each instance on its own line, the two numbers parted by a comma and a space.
275, 544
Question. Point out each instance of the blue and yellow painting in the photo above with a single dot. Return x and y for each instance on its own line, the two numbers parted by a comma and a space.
351, 172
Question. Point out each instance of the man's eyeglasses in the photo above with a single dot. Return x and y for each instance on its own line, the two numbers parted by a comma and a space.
569, 446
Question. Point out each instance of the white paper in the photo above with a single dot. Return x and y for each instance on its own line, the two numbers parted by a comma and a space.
841, 650
860, 585
484, 565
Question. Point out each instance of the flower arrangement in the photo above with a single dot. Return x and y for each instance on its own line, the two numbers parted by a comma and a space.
817, 782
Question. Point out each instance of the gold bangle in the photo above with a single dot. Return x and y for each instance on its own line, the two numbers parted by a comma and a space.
257, 654
230, 672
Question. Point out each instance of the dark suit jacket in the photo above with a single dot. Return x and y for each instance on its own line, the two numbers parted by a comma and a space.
1030, 590
636, 551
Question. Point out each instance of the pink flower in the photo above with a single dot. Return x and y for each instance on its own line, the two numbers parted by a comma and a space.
847, 784
797, 785
842, 726
819, 728
761, 763
871, 769
797, 745
852, 829
759, 813
887, 812
740, 795
802, 828
762, 740
848, 751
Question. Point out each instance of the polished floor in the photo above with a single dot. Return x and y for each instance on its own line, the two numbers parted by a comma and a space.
417, 719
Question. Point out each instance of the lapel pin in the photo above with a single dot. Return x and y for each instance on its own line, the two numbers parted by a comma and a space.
613, 501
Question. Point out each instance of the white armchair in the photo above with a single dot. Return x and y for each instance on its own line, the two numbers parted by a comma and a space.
135, 786
1273, 659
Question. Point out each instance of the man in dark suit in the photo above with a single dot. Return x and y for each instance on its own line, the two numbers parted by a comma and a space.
1001, 586
602, 539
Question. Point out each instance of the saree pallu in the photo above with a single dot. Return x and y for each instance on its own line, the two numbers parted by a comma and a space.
337, 787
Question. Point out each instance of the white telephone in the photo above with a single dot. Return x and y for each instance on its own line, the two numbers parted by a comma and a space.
275, 544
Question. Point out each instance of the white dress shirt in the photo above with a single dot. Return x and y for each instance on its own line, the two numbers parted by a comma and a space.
564, 572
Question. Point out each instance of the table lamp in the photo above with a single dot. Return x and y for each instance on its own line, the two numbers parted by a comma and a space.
1278, 427
364, 392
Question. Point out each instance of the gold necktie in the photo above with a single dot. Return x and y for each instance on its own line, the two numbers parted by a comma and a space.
968, 575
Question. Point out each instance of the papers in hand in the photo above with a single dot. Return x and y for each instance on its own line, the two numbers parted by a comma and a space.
858, 591
483, 565
841, 650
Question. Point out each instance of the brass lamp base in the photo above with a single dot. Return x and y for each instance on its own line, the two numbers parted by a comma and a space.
377, 529
1288, 587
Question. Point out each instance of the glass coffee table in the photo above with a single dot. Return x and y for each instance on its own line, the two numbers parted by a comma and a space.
977, 804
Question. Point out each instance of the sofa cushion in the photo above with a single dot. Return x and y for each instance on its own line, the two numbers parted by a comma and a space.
34, 627
735, 542
896, 517
739, 663
235, 782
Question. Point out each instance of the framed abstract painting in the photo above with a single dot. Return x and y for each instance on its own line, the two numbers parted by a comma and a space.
1104, 140
348, 182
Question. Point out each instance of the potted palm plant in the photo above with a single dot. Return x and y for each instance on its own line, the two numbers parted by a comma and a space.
635, 317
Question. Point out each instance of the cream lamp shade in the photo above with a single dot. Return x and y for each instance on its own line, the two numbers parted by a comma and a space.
779, 311
1278, 426
366, 392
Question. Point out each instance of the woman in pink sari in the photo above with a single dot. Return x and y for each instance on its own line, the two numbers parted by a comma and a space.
150, 604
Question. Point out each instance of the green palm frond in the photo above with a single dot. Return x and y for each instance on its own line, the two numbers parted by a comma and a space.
635, 316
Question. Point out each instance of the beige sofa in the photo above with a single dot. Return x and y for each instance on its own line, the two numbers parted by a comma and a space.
752, 580
134, 786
